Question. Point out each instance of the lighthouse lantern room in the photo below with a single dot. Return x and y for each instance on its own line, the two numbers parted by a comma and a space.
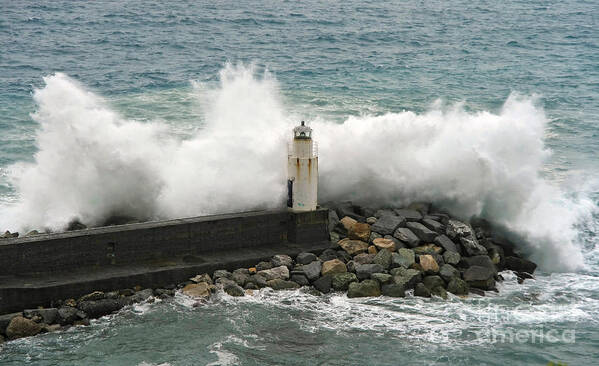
302, 170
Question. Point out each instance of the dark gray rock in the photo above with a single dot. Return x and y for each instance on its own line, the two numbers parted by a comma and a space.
382, 277
422, 232
365, 288
96, 295
363, 271
300, 279
406, 236
48, 316
394, 290
480, 277
343, 256
234, 289
306, 258
433, 281
240, 278
222, 273
328, 254
364, 258
351, 266
434, 225
99, 308
384, 212
408, 214
452, 258
448, 272
142, 295
421, 291
262, 266
383, 258
472, 247
282, 260
258, 280
312, 270
387, 224
341, 281
457, 286
406, 277
323, 284
439, 291
444, 242
520, 265
479, 260
67, 315
456, 229
333, 221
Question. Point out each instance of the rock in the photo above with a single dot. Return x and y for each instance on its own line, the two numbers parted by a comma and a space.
237, 291
282, 260
258, 280
262, 266
333, 220
351, 266
328, 254
428, 249
312, 270
406, 236
383, 257
347, 222
520, 265
448, 272
323, 284
439, 291
421, 291
444, 242
363, 271
96, 295
205, 277
365, 288
434, 225
98, 308
398, 244
252, 270
364, 258
5, 320
433, 281
67, 315
480, 277
300, 279
279, 284
306, 258
394, 290
20, 327
404, 258
472, 247
370, 220
49, 328
142, 295
343, 256
406, 277
48, 316
479, 260
250, 286
387, 224
75, 224
240, 278
381, 277
353, 247
452, 258
422, 232
200, 290
408, 214
222, 273
457, 286
428, 264
372, 250
373, 236
32, 232
457, 229
123, 292
333, 266
359, 231
382, 243
341, 281
281, 272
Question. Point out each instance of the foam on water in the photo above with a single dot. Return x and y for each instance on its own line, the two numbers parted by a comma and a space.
93, 163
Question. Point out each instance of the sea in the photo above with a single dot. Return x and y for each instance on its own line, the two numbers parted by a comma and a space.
154, 110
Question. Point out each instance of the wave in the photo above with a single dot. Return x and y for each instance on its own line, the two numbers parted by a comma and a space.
92, 163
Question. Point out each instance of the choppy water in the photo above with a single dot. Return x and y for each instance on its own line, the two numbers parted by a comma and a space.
488, 108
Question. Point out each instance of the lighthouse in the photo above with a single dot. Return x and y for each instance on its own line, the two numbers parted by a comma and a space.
302, 170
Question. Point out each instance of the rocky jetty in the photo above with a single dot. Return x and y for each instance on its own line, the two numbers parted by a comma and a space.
393, 252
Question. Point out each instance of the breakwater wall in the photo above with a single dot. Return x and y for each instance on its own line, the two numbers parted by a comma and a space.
36, 270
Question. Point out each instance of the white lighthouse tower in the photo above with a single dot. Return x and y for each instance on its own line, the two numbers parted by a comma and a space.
302, 170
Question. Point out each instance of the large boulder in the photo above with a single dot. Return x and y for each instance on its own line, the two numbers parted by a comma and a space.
280, 284
333, 266
20, 327
406, 236
199, 290
47, 316
233, 289
333, 220
306, 258
347, 222
457, 286
341, 281
328, 254
452, 258
282, 260
408, 214
363, 271
384, 243
480, 277
479, 260
448, 272
67, 315
365, 288
422, 232
323, 284
422, 291
383, 257
446, 243
404, 258
387, 224
99, 308
457, 229
382, 277
359, 231
433, 281
300, 279
364, 258
429, 264
142, 295
433, 225
353, 247
406, 277
394, 290
312, 270
520, 265
281, 272
472, 247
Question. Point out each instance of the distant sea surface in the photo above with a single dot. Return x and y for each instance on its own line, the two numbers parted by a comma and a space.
500, 97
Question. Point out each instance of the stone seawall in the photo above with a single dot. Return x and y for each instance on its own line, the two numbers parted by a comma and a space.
36, 270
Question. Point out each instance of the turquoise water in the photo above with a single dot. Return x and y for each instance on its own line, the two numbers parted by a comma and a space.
166, 109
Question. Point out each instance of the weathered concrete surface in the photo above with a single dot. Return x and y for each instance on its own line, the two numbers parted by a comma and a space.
38, 270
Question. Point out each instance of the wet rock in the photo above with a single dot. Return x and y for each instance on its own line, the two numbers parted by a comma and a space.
452, 258
448, 272
353, 247
282, 260
98, 308
421, 291
223, 273
472, 247
456, 229
47, 316
383, 257
281, 272
428, 264
363, 271
382, 277
341, 281
406, 236
422, 232
306, 258
394, 290
333, 220
312, 271
520, 265
301, 280
457, 286
142, 295
479, 260
67, 315
262, 266
96, 295
327, 255
347, 223
434, 225
480, 277
205, 277
409, 214
444, 242
49, 328
433, 281
75, 225
359, 231
240, 278
387, 224
250, 286
404, 258
258, 280
122, 292
351, 266
406, 277
343, 256
199, 290
20, 327
32, 233
382, 243
233, 289
439, 291
365, 288
5, 320
323, 284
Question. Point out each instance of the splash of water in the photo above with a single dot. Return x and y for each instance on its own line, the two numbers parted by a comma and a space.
92, 163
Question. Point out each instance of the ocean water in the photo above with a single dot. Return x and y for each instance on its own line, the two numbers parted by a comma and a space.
158, 110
